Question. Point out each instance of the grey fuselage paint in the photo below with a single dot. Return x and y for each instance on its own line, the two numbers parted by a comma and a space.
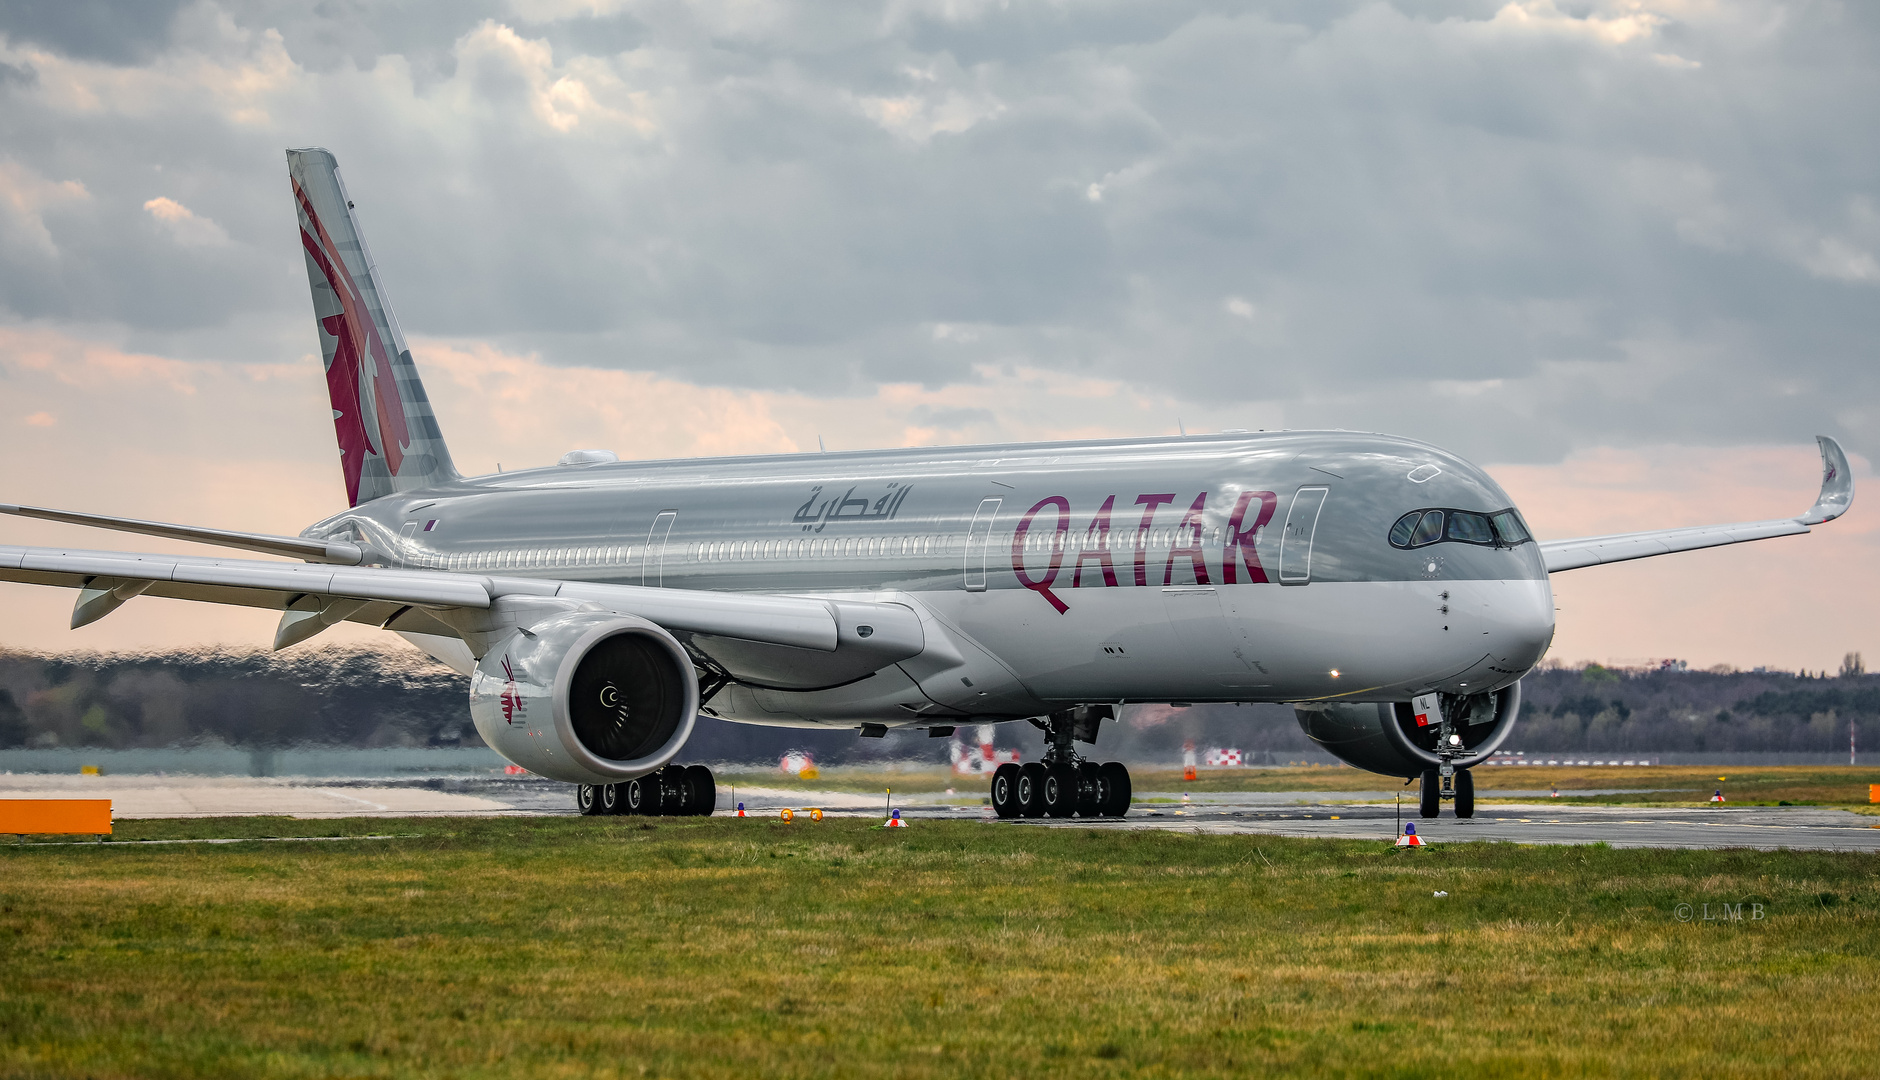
1123, 570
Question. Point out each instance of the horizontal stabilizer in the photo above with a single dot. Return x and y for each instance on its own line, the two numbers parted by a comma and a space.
1837, 494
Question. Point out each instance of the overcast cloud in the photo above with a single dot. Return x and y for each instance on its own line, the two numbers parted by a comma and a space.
1525, 231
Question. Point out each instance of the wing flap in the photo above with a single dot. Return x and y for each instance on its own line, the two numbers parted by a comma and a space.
1837, 494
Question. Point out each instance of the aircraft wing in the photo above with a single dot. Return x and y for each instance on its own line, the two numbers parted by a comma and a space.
1837, 494
407, 600
296, 547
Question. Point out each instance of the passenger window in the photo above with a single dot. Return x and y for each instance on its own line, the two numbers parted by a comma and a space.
1470, 528
1429, 530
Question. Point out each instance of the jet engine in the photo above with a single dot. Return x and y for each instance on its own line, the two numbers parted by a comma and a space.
1384, 737
587, 697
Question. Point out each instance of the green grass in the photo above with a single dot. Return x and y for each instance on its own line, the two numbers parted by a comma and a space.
605, 947
1772, 785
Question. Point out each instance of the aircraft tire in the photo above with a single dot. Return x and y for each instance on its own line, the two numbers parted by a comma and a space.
1031, 790
610, 799
652, 795
587, 799
673, 779
704, 789
1117, 792
1430, 795
1060, 791
1091, 789
1465, 793
632, 798
1005, 790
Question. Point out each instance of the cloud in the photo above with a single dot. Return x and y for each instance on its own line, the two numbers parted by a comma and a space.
1527, 231
183, 224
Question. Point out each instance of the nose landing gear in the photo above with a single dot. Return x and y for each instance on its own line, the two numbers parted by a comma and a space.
1064, 784
1446, 783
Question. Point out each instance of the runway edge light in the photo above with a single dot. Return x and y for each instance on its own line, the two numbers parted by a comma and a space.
1409, 837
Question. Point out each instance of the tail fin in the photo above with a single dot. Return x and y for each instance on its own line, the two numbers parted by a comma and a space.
388, 437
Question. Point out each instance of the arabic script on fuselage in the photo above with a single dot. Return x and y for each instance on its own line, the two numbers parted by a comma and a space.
818, 512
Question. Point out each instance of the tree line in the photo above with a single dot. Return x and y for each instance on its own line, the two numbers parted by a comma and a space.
368, 697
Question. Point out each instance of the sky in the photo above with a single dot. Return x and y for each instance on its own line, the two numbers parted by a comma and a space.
1620, 252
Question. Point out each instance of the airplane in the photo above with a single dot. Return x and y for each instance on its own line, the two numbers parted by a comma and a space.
1387, 589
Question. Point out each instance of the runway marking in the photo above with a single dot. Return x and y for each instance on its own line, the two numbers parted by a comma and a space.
352, 798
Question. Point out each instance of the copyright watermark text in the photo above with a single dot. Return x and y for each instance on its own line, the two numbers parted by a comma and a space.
1747, 911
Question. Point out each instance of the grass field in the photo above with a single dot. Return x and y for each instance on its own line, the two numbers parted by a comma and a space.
1673, 784
603, 947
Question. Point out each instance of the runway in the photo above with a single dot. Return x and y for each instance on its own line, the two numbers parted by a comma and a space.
1304, 814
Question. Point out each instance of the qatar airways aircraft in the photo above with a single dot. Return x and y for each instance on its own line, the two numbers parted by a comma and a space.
1388, 589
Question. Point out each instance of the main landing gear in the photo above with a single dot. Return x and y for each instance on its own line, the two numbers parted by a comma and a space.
1064, 783
674, 791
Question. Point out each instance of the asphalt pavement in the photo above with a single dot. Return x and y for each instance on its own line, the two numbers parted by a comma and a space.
1344, 814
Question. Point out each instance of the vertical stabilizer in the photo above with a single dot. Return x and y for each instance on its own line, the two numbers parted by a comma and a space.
388, 436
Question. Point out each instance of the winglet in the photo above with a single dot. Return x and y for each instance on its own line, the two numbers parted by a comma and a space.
1837, 485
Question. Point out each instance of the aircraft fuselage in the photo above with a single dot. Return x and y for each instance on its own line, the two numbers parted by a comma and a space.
1246, 567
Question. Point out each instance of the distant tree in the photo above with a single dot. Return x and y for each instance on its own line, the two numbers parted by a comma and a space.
1852, 667
14, 730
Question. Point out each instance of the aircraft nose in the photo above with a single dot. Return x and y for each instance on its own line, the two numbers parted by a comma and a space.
1524, 626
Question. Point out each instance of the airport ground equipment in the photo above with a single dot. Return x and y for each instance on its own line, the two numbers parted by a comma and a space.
55, 817
1385, 587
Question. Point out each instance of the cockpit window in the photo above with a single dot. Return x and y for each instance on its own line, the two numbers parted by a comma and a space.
1470, 528
1501, 528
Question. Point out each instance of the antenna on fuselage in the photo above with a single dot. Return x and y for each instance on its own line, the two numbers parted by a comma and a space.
1183, 428
820, 448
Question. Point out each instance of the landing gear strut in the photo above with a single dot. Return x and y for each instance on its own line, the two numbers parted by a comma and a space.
674, 791
1447, 782
1064, 784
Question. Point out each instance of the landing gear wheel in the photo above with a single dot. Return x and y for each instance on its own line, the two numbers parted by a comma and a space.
1060, 790
632, 798
678, 792
610, 798
1092, 789
652, 795
1430, 796
1465, 794
587, 799
704, 790
1117, 791
1031, 789
1005, 790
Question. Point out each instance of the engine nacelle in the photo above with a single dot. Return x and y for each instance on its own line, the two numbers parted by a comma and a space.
587, 697
1384, 737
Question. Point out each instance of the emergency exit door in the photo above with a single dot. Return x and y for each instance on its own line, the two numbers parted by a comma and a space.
1295, 541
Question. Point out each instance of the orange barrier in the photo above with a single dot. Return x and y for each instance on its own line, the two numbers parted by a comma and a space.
85, 817
1873, 792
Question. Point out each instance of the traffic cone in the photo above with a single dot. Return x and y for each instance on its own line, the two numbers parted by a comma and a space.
1409, 837
741, 810
895, 822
